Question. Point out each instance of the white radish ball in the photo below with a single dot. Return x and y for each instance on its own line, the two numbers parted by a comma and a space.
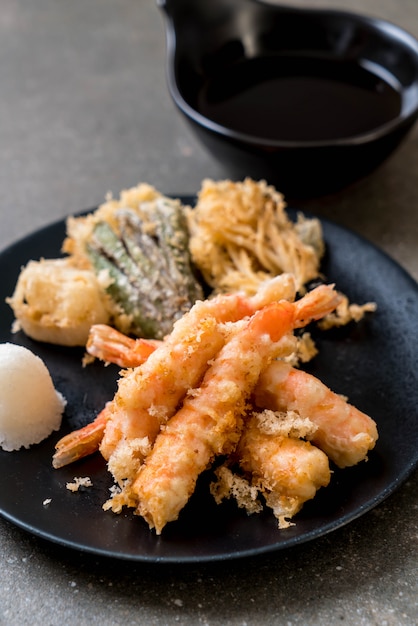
30, 407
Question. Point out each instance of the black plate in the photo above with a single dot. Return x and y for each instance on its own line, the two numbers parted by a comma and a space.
374, 363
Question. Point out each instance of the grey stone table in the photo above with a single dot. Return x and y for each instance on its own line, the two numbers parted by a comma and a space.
84, 110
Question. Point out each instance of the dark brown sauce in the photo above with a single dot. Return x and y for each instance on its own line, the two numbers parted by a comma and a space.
299, 99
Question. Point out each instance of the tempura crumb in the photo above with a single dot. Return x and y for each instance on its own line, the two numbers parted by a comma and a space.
304, 351
230, 485
115, 490
346, 313
284, 508
79, 482
121, 495
125, 459
286, 424
88, 359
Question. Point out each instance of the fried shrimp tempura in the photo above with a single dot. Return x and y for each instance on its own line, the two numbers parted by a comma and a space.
343, 432
288, 471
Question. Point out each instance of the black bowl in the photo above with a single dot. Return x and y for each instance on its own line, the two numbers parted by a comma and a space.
310, 100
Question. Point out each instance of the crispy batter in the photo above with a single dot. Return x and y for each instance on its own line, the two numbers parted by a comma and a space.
230, 485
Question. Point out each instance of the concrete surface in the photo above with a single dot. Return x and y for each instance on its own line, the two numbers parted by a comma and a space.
84, 109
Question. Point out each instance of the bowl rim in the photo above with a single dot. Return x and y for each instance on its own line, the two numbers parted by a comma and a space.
404, 118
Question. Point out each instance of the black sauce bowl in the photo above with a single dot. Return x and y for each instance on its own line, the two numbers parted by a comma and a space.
212, 38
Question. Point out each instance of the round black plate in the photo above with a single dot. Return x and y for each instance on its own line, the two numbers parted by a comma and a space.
373, 363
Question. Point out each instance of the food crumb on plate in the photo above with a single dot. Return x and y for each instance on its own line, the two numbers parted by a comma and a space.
79, 482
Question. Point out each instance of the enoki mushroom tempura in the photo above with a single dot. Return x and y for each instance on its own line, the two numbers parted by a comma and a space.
221, 385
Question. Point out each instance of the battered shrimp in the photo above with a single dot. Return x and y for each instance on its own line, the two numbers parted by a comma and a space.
149, 395
210, 421
344, 433
287, 470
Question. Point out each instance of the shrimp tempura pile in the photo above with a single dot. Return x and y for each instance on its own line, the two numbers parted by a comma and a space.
212, 390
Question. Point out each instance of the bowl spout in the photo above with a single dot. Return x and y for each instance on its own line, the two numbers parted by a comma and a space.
310, 99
